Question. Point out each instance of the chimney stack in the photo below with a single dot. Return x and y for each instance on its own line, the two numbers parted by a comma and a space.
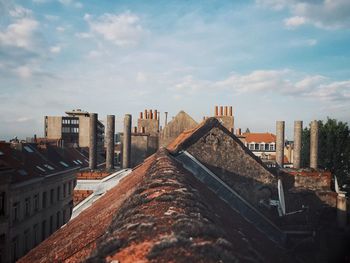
238, 131
141, 115
146, 116
231, 111
110, 131
93, 141
221, 110
280, 143
150, 114
298, 128
155, 114
314, 144
127, 141
216, 111
341, 210
166, 118
226, 111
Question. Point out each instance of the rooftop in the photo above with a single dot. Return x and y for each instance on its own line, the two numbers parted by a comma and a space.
260, 137
160, 212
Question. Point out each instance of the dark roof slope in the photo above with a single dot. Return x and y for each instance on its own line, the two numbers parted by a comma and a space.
158, 213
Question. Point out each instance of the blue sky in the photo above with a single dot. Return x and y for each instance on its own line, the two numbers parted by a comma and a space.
270, 59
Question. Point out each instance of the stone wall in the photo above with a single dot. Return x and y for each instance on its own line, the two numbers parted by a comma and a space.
234, 165
313, 180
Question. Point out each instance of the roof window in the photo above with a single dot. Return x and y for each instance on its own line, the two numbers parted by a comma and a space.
64, 164
40, 168
79, 161
28, 149
75, 162
49, 167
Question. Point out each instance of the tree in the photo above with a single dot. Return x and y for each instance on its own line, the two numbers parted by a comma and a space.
333, 148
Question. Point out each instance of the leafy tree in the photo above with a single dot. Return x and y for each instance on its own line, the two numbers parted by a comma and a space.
333, 148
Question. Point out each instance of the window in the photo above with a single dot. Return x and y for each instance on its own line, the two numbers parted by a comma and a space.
64, 164
27, 206
36, 202
51, 225
267, 147
262, 146
2, 203
40, 168
26, 241
70, 187
58, 193
44, 199
256, 146
14, 249
251, 146
36, 234
58, 217
51, 196
64, 216
28, 149
64, 190
43, 230
15, 209
272, 147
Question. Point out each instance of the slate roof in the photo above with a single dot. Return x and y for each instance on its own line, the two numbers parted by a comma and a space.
158, 213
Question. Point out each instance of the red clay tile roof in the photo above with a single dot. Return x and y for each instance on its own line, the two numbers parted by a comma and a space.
158, 213
80, 195
260, 137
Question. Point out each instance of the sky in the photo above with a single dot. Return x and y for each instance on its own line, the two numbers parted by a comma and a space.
269, 59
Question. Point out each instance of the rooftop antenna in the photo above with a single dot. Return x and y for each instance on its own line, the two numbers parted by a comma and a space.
281, 204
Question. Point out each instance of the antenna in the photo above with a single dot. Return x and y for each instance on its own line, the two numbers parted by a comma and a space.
336, 185
281, 197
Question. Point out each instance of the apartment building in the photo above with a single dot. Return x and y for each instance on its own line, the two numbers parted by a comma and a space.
73, 129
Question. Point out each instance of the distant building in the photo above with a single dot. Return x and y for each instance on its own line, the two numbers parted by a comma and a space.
263, 145
73, 129
36, 189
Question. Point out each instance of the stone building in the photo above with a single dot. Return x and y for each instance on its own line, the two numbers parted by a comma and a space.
175, 127
73, 129
36, 189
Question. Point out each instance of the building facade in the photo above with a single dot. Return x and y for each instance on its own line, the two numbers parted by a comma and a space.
36, 194
73, 129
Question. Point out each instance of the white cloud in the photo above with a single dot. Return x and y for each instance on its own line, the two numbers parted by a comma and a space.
121, 30
327, 14
283, 82
294, 21
55, 49
51, 17
23, 72
60, 29
19, 11
20, 33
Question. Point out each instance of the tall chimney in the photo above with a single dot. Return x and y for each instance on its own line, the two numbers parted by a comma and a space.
150, 114
93, 141
216, 111
146, 116
238, 131
314, 144
226, 111
166, 118
279, 143
127, 141
155, 114
221, 110
141, 115
135, 129
298, 128
110, 131
231, 111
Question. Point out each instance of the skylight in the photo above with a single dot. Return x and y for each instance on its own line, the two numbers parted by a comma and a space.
49, 167
64, 164
40, 168
75, 162
28, 149
79, 161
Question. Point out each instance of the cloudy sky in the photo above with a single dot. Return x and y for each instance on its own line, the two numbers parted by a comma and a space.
270, 59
